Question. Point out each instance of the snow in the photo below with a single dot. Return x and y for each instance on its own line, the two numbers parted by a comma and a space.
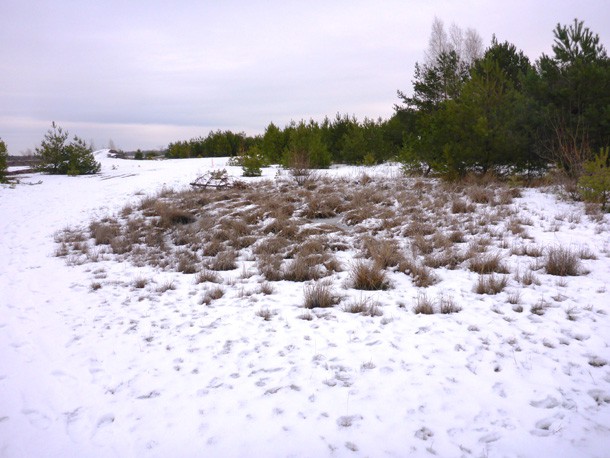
115, 372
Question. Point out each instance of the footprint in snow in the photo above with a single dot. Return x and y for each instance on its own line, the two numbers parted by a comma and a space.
547, 403
348, 420
36, 418
105, 420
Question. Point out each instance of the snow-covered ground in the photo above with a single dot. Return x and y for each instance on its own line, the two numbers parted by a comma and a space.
117, 372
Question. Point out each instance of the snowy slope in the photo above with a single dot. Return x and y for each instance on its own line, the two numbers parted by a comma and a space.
121, 372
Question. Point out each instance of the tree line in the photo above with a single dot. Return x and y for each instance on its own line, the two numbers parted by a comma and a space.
470, 109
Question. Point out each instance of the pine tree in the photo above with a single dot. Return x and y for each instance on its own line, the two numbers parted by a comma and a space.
59, 158
3, 160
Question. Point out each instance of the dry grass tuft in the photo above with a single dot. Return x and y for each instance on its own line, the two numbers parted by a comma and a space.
207, 276
212, 294
171, 216
491, 284
265, 314
448, 305
320, 295
364, 306
562, 262
368, 277
385, 253
225, 260
423, 305
487, 264
462, 206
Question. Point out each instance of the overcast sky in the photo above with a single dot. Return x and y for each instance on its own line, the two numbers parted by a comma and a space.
144, 73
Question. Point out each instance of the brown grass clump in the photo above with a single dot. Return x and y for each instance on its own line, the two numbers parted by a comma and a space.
206, 276
385, 253
171, 216
491, 284
225, 260
368, 277
462, 206
422, 275
303, 268
487, 264
320, 295
423, 305
448, 305
270, 267
212, 295
104, 232
321, 206
480, 194
562, 262
265, 314
363, 306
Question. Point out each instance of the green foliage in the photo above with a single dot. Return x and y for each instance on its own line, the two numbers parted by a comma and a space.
3, 161
274, 143
139, 155
216, 144
252, 162
58, 157
571, 88
594, 184
306, 146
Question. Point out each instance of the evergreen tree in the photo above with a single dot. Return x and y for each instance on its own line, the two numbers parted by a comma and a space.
60, 158
572, 88
3, 161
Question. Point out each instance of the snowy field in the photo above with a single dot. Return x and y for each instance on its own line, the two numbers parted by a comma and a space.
93, 366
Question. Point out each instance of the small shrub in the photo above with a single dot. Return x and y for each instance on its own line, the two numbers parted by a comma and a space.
320, 295
594, 184
368, 277
252, 162
562, 262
